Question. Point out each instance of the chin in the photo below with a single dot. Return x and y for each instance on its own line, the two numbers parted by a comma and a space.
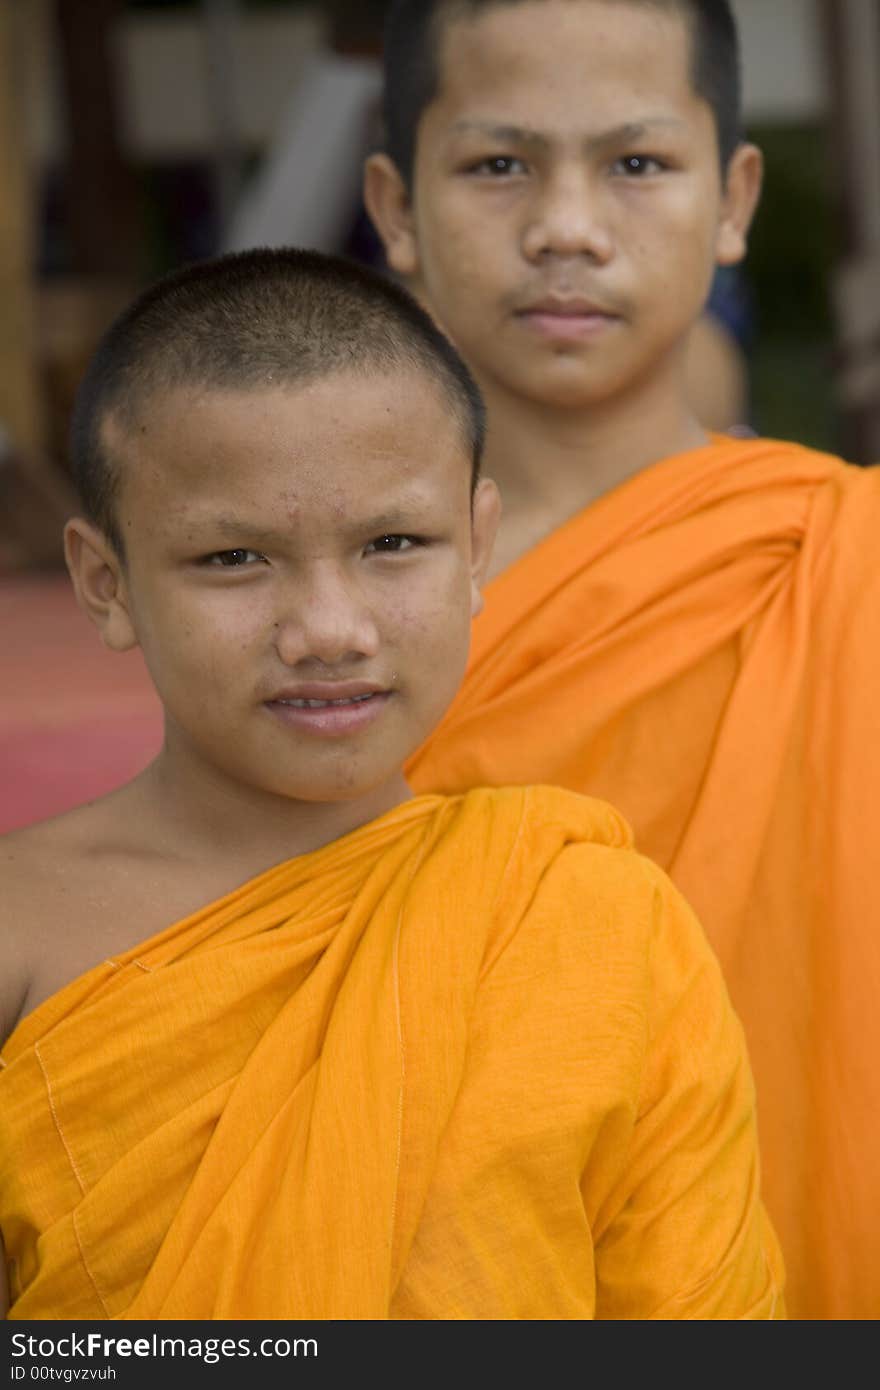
319, 793
570, 394
339, 789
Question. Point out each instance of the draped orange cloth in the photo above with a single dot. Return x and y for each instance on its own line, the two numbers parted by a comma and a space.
702, 648
474, 1060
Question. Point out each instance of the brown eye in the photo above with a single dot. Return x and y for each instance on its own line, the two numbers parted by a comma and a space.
637, 165
392, 544
233, 559
500, 166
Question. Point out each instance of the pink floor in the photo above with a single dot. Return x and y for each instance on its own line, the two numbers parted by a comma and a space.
75, 719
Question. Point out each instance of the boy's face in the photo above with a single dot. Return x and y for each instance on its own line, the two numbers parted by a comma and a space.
567, 209
301, 570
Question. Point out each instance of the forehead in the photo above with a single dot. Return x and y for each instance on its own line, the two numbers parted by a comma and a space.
557, 60
345, 434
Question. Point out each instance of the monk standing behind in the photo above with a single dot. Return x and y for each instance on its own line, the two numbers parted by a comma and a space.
687, 625
282, 1040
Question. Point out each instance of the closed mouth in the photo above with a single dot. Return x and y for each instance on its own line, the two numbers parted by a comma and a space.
568, 309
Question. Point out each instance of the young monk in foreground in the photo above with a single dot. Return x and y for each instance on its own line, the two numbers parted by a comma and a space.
686, 625
284, 1040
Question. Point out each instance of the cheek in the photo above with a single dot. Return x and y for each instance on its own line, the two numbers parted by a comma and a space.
675, 268
694, 237
447, 279
431, 622
451, 254
208, 639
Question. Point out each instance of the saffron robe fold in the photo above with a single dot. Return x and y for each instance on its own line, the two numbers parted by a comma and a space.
702, 648
474, 1060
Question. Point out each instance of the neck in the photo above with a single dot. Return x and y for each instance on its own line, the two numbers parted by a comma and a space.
208, 817
550, 462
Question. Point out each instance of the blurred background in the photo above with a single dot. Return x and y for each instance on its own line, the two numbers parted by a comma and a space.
139, 134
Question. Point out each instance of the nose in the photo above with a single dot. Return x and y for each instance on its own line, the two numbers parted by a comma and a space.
567, 219
325, 618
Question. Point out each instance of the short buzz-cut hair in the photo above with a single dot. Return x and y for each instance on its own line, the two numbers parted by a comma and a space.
412, 77
256, 320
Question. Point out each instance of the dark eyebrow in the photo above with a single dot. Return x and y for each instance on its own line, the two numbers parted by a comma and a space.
634, 130
240, 529
235, 527
386, 524
514, 134
522, 135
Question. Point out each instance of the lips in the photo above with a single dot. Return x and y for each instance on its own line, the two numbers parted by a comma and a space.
318, 694
567, 319
329, 710
323, 704
568, 307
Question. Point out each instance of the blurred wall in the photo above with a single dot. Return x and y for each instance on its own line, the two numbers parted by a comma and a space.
784, 69
165, 93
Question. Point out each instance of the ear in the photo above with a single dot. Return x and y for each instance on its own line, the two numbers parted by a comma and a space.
387, 200
99, 582
745, 174
485, 516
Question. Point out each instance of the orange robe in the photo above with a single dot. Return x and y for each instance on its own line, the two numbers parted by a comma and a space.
702, 648
473, 1061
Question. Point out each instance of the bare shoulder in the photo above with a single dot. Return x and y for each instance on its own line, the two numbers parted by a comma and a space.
64, 887
37, 894
90, 885
19, 870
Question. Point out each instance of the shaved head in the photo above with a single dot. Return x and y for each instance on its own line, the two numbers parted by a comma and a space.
413, 77
251, 321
